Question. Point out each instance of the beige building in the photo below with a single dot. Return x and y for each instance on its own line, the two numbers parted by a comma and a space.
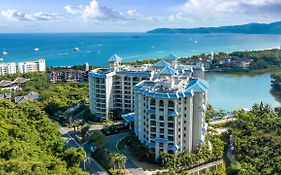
166, 101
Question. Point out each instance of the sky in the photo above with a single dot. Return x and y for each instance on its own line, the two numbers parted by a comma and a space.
21, 16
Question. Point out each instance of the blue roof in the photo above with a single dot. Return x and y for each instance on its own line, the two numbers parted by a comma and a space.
115, 58
168, 71
170, 57
173, 148
162, 140
174, 95
170, 113
150, 145
197, 85
129, 117
185, 71
161, 63
99, 75
151, 111
142, 74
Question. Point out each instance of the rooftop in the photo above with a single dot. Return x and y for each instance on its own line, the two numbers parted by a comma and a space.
115, 58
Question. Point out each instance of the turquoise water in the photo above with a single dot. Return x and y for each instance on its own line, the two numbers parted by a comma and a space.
236, 91
96, 48
226, 91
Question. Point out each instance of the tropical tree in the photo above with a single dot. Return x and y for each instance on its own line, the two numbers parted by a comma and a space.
98, 139
74, 156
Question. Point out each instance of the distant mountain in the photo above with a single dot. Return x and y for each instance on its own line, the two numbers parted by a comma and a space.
252, 28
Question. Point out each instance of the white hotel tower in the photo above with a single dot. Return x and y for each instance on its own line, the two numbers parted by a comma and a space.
166, 101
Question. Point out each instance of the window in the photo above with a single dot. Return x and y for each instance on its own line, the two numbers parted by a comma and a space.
161, 117
152, 102
171, 103
162, 124
161, 103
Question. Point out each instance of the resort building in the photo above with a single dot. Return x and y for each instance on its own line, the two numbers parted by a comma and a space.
165, 101
8, 68
23, 67
32, 66
66, 75
170, 111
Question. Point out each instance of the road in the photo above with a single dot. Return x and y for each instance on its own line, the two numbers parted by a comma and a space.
89, 164
112, 146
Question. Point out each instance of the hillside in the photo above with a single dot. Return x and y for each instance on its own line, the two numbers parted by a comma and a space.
252, 28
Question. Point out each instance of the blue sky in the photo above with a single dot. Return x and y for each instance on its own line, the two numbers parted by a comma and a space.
130, 15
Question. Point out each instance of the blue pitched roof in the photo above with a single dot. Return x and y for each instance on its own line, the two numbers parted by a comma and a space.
173, 148
168, 71
150, 145
115, 58
197, 85
162, 140
170, 57
129, 117
161, 63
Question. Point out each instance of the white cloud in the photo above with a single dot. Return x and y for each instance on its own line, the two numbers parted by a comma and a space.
95, 12
225, 12
12, 14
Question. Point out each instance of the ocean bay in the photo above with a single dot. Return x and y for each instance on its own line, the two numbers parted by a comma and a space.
95, 48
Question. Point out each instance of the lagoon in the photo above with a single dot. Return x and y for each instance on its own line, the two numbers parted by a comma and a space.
235, 91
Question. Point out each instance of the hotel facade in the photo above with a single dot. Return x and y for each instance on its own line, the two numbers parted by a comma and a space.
166, 101
23, 67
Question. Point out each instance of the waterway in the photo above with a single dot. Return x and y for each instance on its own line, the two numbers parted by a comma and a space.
235, 91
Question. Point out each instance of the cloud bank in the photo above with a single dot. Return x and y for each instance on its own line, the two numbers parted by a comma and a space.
15, 15
98, 13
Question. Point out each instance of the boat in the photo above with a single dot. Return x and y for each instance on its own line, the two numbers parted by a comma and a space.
36, 49
196, 42
5, 53
1, 59
76, 49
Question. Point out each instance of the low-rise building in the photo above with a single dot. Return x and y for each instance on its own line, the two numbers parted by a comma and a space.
12, 85
30, 96
66, 75
5, 96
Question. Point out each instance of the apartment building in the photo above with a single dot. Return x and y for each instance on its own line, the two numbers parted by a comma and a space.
32, 66
112, 87
169, 112
23, 67
66, 75
166, 101
8, 68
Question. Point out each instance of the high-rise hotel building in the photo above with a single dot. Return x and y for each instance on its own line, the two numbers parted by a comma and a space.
166, 101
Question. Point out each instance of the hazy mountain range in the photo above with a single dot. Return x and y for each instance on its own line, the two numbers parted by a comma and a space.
251, 28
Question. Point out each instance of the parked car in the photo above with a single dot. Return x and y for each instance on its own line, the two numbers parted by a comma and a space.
115, 129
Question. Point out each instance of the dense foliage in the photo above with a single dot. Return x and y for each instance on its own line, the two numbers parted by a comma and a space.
257, 141
213, 149
276, 84
55, 97
31, 144
114, 162
262, 59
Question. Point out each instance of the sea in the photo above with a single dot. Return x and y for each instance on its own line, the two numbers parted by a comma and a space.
95, 48
227, 91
